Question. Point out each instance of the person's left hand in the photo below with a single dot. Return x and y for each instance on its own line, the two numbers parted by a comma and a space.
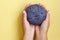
28, 28
41, 31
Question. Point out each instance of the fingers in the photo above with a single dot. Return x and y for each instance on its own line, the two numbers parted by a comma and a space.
48, 14
37, 33
46, 23
25, 21
47, 20
25, 14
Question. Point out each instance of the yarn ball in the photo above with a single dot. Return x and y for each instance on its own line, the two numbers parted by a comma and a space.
36, 14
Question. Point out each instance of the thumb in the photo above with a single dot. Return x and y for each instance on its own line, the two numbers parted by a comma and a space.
25, 18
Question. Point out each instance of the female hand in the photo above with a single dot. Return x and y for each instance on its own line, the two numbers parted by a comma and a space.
28, 28
41, 31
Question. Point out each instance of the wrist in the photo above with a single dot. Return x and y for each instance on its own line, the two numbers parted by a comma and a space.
43, 36
28, 35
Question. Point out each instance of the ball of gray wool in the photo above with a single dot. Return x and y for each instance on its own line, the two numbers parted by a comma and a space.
36, 14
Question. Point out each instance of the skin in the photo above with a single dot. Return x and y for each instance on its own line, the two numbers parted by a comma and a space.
30, 30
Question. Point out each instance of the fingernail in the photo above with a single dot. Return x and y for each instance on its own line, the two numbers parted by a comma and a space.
24, 12
49, 12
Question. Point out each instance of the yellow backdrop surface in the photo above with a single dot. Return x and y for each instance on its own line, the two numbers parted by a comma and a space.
10, 18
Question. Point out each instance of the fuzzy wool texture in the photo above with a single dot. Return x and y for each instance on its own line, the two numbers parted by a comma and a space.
36, 14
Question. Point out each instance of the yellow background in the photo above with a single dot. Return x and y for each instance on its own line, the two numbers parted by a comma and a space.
10, 18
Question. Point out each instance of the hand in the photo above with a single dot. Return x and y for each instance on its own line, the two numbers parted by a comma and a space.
28, 28
41, 31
